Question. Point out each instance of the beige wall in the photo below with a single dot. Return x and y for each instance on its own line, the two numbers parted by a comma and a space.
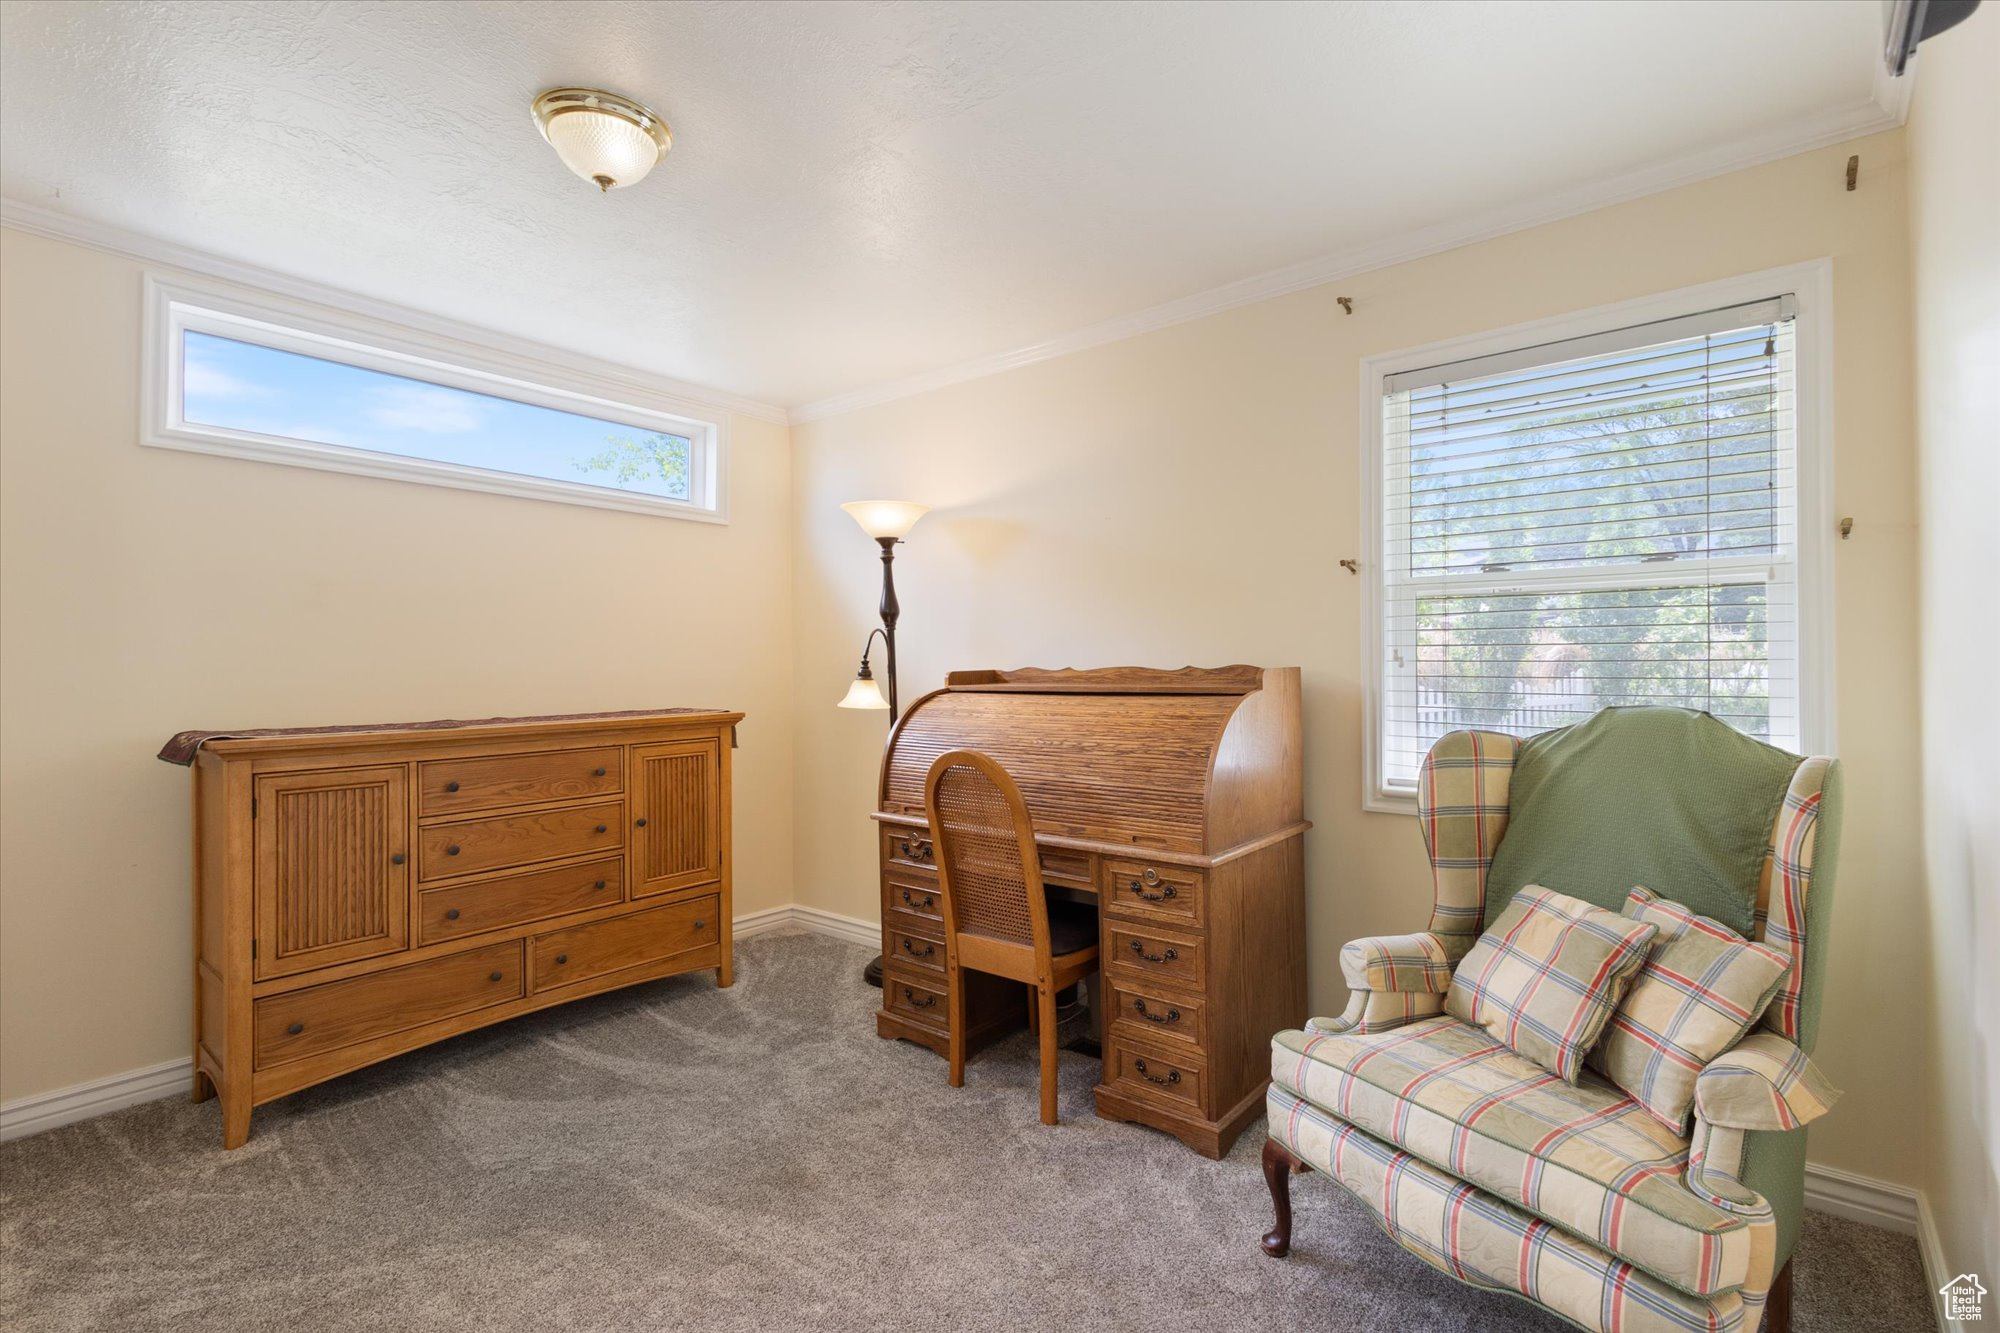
1184, 497
143, 591
1955, 251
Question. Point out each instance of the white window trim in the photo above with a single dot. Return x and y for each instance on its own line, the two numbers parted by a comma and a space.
1812, 284
175, 305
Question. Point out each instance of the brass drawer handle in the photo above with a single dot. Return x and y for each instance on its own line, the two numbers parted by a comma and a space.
928, 903
1159, 897
918, 849
1167, 956
1173, 1075
295, 1029
910, 949
451, 915
915, 1003
1171, 1016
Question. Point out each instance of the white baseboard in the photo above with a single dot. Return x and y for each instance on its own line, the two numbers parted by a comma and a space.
1931, 1249
31, 1115
1862, 1199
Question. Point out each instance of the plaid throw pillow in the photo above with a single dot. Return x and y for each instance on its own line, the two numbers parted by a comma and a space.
1699, 992
1547, 976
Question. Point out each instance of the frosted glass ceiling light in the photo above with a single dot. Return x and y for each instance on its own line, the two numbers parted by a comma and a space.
610, 141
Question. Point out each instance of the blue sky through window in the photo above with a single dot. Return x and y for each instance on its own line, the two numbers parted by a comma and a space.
241, 386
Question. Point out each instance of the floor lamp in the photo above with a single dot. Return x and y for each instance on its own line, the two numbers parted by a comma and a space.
888, 522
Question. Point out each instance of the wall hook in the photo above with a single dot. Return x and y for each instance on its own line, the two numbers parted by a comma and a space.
1846, 528
1351, 566
1853, 171
1346, 303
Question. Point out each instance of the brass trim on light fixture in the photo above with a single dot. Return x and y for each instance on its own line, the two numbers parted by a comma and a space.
559, 102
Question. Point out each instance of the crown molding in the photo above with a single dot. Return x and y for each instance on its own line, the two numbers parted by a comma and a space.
1787, 140
37, 220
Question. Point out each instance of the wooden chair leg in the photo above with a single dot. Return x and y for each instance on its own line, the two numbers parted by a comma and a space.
955, 1014
1278, 1167
1778, 1306
1045, 996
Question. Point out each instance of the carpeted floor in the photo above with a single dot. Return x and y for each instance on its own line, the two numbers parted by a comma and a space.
675, 1156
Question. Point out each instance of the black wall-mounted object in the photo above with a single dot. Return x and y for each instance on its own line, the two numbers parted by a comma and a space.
1914, 21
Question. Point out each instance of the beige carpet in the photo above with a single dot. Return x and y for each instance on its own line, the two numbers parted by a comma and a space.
680, 1157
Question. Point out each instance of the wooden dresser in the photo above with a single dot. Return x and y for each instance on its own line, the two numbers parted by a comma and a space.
362, 892
1176, 798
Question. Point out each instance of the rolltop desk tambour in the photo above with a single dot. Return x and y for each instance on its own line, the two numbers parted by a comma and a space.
1176, 798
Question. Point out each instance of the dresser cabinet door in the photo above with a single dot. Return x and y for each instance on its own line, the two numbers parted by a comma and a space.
333, 874
676, 815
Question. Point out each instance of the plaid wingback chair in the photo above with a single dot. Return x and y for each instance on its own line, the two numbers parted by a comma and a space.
1503, 1176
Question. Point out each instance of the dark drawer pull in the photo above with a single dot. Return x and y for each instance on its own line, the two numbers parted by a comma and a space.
493, 976
1171, 1016
451, 915
1173, 1075
598, 885
1159, 897
1167, 956
598, 774
699, 924
917, 850
451, 850
637, 823
910, 949
451, 786
562, 958
604, 828
396, 860
915, 1003
926, 905
296, 1028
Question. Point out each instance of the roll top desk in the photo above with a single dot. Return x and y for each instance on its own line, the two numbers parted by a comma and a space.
1176, 797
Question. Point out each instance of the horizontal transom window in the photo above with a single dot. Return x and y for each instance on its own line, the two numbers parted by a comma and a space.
1599, 521
258, 382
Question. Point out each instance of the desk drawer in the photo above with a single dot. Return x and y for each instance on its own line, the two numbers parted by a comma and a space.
499, 841
1148, 891
1148, 1013
1066, 867
1141, 952
911, 949
908, 849
566, 957
306, 1022
916, 995
1157, 1073
915, 898
448, 786
488, 904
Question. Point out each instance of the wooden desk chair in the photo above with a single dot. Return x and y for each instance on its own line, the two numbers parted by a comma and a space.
997, 915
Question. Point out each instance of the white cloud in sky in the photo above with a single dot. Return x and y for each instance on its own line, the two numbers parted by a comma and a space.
419, 407
202, 378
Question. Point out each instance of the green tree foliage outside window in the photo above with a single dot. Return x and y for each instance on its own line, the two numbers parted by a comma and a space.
655, 456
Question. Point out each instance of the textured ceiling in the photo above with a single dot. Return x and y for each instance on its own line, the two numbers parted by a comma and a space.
859, 192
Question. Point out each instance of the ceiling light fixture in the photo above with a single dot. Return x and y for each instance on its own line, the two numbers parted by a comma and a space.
610, 141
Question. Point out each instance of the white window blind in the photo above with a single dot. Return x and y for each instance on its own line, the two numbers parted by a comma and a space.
1603, 521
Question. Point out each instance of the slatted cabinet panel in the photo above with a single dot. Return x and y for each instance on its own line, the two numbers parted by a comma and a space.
333, 875
677, 816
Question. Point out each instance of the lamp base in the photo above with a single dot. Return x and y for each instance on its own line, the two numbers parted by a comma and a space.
872, 974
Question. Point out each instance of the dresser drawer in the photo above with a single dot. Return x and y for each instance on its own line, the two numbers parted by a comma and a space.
566, 957
1158, 1073
911, 949
324, 1018
488, 904
1169, 894
916, 995
908, 849
1144, 953
915, 898
499, 841
1149, 1013
448, 786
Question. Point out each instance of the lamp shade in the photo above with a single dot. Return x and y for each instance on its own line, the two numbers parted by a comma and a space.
608, 140
864, 693
886, 518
